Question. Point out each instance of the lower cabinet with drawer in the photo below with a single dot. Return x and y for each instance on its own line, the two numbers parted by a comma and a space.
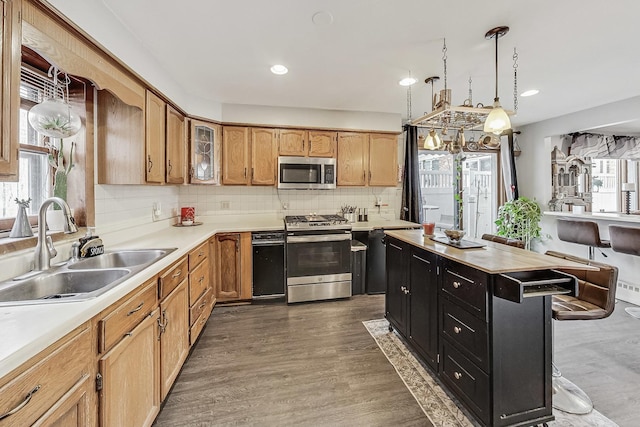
486, 336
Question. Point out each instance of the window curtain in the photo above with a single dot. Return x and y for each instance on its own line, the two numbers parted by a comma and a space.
508, 166
411, 195
604, 146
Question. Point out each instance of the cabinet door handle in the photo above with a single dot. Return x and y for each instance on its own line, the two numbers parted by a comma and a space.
22, 404
369, 176
245, 173
364, 176
191, 172
138, 308
402, 288
406, 291
457, 330
149, 162
458, 375
456, 285
169, 167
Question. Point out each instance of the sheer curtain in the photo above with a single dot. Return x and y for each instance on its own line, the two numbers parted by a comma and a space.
411, 195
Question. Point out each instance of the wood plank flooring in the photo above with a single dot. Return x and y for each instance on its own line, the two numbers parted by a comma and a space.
316, 365
291, 365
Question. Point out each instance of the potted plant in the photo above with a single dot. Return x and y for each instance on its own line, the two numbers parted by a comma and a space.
519, 219
61, 168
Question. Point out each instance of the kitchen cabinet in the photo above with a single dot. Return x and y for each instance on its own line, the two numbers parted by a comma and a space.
235, 155
129, 392
313, 143
232, 266
353, 158
155, 121
423, 305
10, 49
383, 160
367, 159
397, 297
205, 152
264, 156
176, 142
47, 390
200, 290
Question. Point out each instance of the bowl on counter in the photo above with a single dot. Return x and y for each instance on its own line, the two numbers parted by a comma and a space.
454, 236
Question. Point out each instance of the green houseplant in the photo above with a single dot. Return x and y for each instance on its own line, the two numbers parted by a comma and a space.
519, 219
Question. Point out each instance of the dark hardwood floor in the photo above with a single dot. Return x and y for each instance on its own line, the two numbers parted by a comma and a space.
316, 365
291, 365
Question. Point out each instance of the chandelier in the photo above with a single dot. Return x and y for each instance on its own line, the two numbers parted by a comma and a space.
445, 117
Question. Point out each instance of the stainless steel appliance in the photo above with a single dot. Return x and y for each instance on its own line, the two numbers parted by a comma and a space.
306, 173
318, 257
268, 264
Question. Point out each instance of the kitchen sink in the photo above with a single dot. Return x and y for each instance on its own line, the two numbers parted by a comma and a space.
119, 259
80, 280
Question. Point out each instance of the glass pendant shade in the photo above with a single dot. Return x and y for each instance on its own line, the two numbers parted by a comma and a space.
432, 142
54, 118
497, 120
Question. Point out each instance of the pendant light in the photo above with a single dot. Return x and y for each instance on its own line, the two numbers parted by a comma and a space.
498, 120
432, 141
54, 117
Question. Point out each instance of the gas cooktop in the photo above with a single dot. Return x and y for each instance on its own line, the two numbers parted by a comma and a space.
313, 221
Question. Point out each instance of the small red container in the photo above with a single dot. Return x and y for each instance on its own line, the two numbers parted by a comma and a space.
187, 214
429, 228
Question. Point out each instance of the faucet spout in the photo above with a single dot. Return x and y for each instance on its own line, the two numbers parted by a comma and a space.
43, 253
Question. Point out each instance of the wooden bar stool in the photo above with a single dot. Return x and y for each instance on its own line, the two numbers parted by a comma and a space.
582, 233
626, 240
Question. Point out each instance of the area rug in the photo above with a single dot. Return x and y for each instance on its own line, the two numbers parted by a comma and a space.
441, 408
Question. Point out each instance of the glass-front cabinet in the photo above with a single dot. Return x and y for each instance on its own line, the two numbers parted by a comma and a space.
205, 152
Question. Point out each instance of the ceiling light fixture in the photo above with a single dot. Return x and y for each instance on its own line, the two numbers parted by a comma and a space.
530, 92
407, 81
432, 141
279, 69
498, 120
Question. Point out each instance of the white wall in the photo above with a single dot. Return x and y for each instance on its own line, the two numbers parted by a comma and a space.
534, 179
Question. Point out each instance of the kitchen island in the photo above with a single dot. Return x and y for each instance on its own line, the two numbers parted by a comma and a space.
481, 320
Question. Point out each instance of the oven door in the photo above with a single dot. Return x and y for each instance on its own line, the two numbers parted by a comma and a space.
326, 253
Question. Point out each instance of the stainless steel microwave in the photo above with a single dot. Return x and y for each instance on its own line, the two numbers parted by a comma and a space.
306, 173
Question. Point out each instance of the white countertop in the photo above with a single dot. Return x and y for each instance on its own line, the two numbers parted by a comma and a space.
598, 216
26, 330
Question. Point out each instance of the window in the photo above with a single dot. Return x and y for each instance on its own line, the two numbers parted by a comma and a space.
34, 177
608, 175
479, 181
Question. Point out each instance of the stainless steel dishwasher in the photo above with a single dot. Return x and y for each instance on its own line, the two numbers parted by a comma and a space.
268, 264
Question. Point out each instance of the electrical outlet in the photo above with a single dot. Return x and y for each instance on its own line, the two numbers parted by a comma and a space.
225, 204
157, 209
378, 201
285, 206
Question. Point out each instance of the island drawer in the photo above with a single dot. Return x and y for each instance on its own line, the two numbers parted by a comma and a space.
466, 380
467, 332
519, 285
466, 286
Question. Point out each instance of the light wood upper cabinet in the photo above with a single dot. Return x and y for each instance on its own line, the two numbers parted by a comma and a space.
263, 156
155, 138
353, 158
235, 155
292, 142
205, 152
322, 143
383, 160
232, 266
10, 53
175, 146
130, 394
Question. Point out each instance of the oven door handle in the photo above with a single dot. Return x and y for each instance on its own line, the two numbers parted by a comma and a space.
319, 238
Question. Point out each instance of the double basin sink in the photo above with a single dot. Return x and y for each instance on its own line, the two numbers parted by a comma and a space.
79, 280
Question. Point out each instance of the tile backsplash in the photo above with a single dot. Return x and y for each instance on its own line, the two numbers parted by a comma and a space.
122, 206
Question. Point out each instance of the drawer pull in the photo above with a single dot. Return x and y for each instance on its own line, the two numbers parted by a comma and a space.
458, 375
201, 253
201, 279
176, 274
138, 308
24, 403
202, 305
456, 285
402, 288
457, 330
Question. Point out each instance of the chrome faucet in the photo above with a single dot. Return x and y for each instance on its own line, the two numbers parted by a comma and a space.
44, 248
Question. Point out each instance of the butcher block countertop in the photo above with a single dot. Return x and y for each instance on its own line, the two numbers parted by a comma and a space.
494, 258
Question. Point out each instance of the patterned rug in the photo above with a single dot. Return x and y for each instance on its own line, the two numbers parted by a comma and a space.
441, 408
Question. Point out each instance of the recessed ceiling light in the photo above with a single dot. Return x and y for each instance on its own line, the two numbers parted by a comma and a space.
530, 92
279, 69
322, 18
407, 81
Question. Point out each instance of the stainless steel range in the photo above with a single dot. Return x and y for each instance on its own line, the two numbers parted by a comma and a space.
318, 257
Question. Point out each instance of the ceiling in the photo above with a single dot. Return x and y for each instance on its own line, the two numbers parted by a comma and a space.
578, 53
